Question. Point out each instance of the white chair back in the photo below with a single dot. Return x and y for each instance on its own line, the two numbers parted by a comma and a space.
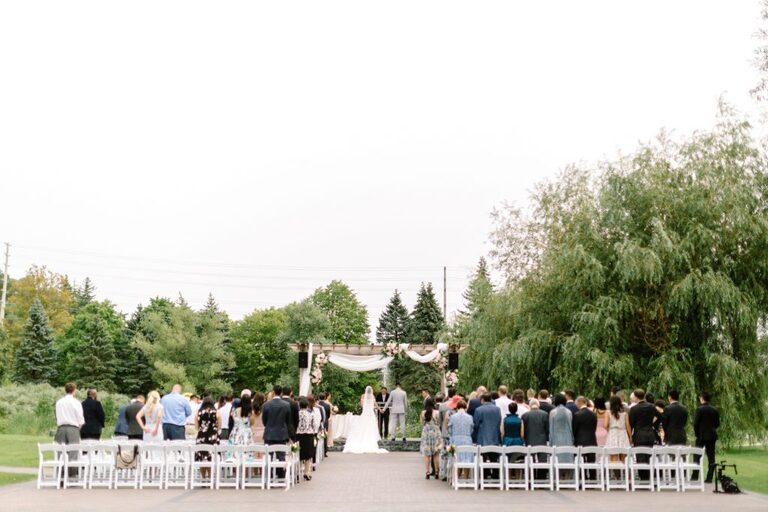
50, 465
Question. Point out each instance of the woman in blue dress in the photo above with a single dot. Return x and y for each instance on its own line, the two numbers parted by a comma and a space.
513, 428
460, 425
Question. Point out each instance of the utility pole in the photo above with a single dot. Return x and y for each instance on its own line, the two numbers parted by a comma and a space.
5, 283
445, 294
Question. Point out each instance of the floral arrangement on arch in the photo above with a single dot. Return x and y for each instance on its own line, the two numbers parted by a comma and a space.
391, 349
316, 376
440, 362
452, 378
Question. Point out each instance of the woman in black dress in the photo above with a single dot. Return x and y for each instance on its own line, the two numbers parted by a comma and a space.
306, 434
207, 430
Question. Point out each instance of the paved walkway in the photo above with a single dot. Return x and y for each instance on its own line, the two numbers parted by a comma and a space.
391, 482
16, 470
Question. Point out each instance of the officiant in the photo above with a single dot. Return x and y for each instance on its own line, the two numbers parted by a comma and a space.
381, 401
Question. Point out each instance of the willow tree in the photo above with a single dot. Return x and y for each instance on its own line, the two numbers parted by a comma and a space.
650, 271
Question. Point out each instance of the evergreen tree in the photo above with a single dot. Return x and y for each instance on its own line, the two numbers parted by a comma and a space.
5, 352
426, 318
35, 360
479, 291
93, 364
211, 314
393, 322
83, 295
132, 370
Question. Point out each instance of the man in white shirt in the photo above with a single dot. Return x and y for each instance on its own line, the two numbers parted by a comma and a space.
503, 401
69, 418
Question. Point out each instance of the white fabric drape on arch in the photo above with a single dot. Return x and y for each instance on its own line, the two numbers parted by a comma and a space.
359, 363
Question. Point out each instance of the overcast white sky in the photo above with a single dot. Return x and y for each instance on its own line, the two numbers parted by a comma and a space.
258, 150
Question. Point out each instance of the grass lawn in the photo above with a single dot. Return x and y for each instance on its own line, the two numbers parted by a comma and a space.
752, 464
20, 450
14, 478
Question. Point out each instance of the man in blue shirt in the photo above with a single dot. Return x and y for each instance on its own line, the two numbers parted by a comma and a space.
176, 408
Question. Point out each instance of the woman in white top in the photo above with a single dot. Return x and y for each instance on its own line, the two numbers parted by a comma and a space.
224, 411
150, 419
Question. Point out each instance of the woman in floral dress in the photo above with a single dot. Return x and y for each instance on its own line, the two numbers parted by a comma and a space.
241, 433
207, 431
431, 439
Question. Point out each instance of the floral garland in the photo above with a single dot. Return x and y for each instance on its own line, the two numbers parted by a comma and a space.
391, 349
452, 378
316, 377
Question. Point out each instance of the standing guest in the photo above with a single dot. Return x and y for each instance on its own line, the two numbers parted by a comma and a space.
601, 431
536, 425
530, 394
257, 419
305, 433
674, 419
121, 427
176, 408
383, 416
633, 400
545, 403
641, 418
503, 401
190, 426
658, 427
518, 396
224, 411
460, 426
69, 419
425, 394
207, 426
150, 418
617, 391
454, 398
327, 421
288, 398
570, 395
617, 423
135, 430
444, 411
93, 414
241, 433
561, 427
430, 437
585, 430
318, 414
706, 421
514, 430
329, 427
487, 430
276, 415
477, 400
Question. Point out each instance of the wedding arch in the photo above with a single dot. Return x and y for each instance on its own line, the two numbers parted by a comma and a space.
362, 358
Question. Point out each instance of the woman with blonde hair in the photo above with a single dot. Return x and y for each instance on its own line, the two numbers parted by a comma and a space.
150, 418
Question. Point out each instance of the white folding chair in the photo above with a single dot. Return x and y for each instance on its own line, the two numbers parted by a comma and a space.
297, 469
515, 459
469, 452
202, 461
490, 461
177, 465
666, 464
152, 465
618, 466
77, 462
591, 463
50, 465
541, 460
635, 466
128, 478
275, 452
102, 469
570, 454
691, 459
228, 466
254, 464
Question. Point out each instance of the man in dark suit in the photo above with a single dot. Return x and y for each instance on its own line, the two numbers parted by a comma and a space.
381, 400
544, 403
641, 422
585, 430
674, 419
706, 421
487, 429
293, 425
134, 429
93, 414
476, 402
276, 416
327, 419
536, 429
570, 395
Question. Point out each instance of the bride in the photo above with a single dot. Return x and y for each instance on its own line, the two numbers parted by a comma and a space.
364, 432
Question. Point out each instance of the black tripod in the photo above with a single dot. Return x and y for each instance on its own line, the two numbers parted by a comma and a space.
724, 483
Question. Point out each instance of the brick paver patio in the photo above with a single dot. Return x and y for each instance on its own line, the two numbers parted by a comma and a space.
391, 482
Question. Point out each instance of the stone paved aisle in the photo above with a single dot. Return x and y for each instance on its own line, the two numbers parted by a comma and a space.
361, 483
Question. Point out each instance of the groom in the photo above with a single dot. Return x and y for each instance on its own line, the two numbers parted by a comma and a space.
396, 404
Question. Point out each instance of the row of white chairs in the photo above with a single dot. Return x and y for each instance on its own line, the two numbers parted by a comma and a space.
571, 467
171, 464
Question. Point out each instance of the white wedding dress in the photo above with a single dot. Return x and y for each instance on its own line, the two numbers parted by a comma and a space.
364, 432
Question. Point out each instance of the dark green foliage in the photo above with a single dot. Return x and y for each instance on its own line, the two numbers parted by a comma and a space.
347, 316
261, 356
393, 322
426, 318
132, 369
83, 295
36, 356
414, 376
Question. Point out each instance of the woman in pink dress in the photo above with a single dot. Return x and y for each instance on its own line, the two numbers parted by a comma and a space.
601, 432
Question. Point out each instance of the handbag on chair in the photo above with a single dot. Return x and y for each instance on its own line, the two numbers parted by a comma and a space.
129, 460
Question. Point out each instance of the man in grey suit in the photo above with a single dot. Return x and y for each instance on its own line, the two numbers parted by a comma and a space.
536, 428
397, 404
